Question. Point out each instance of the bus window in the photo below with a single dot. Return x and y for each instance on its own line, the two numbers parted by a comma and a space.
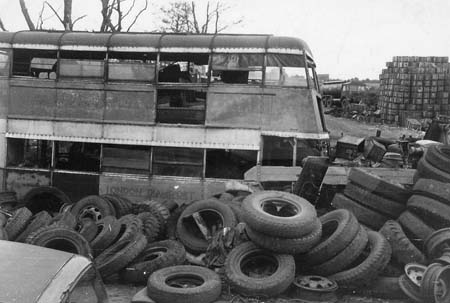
4, 63
81, 64
34, 63
286, 70
237, 68
180, 106
174, 161
305, 148
183, 68
29, 153
128, 159
77, 156
313, 77
131, 66
278, 151
228, 163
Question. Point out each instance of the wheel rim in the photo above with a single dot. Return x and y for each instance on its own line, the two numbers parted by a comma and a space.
409, 288
184, 281
437, 242
154, 253
415, 273
213, 222
91, 212
315, 283
280, 208
259, 265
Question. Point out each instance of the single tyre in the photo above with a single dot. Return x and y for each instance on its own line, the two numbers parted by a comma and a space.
382, 205
122, 206
437, 243
115, 258
364, 215
339, 228
371, 266
286, 245
439, 156
410, 290
152, 208
155, 256
344, 258
414, 227
403, 250
60, 238
279, 214
184, 283
18, 222
378, 186
37, 221
46, 198
435, 213
214, 215
93, 207
66, 219
108, 229
429, 281
428, 171
150, 226
433, 189
252, 271
160, 207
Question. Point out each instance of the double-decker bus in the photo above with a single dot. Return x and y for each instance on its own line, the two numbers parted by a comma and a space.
147, 115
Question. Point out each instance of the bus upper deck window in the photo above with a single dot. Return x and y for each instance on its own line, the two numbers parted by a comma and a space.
237, 68
131, 66
286, 70
183, 68
34, 63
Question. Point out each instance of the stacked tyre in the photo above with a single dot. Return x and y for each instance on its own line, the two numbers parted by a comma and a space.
346, 253
428, 210
371, 199
435, 164
281, 222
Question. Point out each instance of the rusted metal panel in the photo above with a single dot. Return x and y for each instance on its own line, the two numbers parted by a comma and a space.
77, 131
128, 134
36, 40
130, 106
234, 109
179, 190
85, 41
184, 136
32, 102
138, 42
4, 97
76, 186
295, 107
80, 104
186, 43
22, 181
247, 139
22, 128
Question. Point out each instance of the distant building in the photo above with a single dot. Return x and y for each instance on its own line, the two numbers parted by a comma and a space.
323, 77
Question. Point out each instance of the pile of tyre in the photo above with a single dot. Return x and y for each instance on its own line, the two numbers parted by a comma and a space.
372, 199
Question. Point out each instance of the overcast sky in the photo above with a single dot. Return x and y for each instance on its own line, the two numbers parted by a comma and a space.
348, 38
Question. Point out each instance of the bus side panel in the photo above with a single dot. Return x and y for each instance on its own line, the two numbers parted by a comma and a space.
135, 106
80, 104
179, 190
236, 109
32, 99
295, 107
22, 181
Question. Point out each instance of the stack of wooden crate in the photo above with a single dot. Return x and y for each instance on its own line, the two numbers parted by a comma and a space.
414, 87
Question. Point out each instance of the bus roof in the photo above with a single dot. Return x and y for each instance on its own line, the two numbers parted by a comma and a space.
153, 42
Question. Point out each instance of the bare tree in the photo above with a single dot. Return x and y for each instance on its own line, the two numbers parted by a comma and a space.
115, 13
26, 15
183, 17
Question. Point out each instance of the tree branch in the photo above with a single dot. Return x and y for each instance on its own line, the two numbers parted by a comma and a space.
2, 26
26, 15
78, 19
129, 10
54, 11
194, 15
137, 16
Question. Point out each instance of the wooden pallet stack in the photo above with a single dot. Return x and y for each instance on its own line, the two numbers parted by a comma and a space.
414, 87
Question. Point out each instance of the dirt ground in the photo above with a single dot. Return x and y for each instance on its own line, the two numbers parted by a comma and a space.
120, 293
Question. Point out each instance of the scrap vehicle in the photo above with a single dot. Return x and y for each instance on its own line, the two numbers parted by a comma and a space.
332, 91
148, 115
342, 93
37, 274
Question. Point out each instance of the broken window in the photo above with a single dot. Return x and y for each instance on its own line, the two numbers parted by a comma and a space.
278, 151
82, 64
4, 63
313, 78
128, 159
183, 68
77, 156
305, 148
237, 68
229, 163
185, 106
286, 70
35, 63
29, 153
131, 66
175, 161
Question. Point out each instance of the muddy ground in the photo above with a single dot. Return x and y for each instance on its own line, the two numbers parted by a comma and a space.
120, 293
